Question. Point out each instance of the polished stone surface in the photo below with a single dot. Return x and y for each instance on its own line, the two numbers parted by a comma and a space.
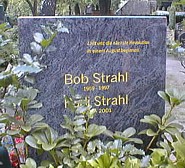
138, 48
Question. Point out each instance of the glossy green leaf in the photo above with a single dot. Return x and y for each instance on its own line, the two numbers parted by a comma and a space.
132, 163
46, 42
35, 106
79, 128
158, 156
28, 93
91, 147
27, 58
81, 109
136, 140
175, 101
34, 119
176, 125
118, 135
26, 128
164, 96
40, 137
36, 48
150, 132
94, 130
48, 147
166, 146
129, 132
142, 132
179, 146
24, 104
150, 119
26, 69
54, 134
40, 126
38, 37
172, 131
79, 122
108, 133
29, 79
156, 117
61, 28
161, 127
31, 141
31, 163
13, 132
92, 113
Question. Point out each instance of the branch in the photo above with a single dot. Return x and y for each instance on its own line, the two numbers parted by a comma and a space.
30, 5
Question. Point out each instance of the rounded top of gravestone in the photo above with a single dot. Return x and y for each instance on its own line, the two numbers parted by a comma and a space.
1, 8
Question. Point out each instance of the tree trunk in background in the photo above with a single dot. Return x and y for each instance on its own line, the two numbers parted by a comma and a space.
33, 7
35, 13
48, 7
104, 7
77, 9
70, 10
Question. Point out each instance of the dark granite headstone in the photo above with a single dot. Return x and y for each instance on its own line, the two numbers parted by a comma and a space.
165, 5
2, 14
178, 30
118, 62
182, 39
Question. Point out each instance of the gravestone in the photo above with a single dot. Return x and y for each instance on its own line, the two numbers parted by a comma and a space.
118, 63
182, 39
134, 8
178, 30
165, 5
2, 14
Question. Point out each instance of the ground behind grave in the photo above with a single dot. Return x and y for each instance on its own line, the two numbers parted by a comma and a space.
175, 78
